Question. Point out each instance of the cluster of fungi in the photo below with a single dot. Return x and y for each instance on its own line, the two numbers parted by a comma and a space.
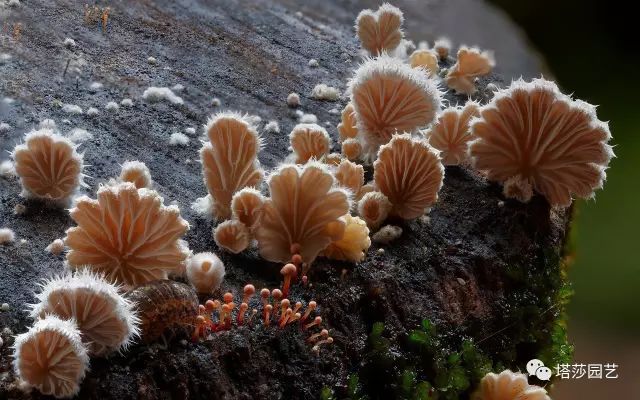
530, 137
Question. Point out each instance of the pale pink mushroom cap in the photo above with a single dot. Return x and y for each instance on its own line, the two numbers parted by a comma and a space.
380, 31
508, 386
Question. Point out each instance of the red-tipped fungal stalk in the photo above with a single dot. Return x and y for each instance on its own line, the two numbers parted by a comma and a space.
243, 308
248, 291
228, 297
310, 307
288, 271
285, 317
267, 314
316, 321
284, 304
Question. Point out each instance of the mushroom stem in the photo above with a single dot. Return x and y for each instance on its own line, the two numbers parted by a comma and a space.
316, 321
316, 348
267, 314
285, 317
243, 308
253, 314
316, 336
248, 291
288, 271
310, 307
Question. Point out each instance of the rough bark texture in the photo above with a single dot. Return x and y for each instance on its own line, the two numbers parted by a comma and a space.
482, 268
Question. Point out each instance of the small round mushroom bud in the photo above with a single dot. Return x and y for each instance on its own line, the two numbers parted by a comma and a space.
316, 321
248, 291
225, 311
264, 294
277, 294
227, 297
293, 100
374, 208
243, 308
51, 357
137, 173
285, 317
232, 235
294, 318
56, 247
211, 305
310, 307
267, 314
323, 333
471, 64
288, 271
316, 348
297, 307
425, 59
205, 272
201, 309
351, 149
296, 259
517, 188
442, 46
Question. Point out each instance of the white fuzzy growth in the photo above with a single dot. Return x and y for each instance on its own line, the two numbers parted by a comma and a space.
205, 272
190, 130
152, 60
95, 86
7, 235
69, 43
215, 102
325, 92
79, 135
177, 87
308, 119
387, 234
19, 209
4, 127
157, 94
137, 173
178, 139
56, 247
92, 111
72, 109
313, 63
68, 336
4, 58
272, 126
203, 206
47, 124
293, 100
7, 169
112, 106
126, 103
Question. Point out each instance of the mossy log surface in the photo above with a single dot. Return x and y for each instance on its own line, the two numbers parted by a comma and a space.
482, 270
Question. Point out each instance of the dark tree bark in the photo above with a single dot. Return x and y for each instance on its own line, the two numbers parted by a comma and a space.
482, 269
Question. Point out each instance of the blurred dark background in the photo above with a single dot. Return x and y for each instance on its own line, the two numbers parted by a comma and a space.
590, 49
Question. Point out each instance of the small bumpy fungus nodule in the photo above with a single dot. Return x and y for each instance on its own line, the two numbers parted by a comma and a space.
350, 176
380, 31
232, 235
531, 134
246, 206
51, 357
450, 133
229, 159
409, 172
442, 46
205, 272
374, 208
471, 63
390, 97
508, 385
137, 173
127, 234
305, 209
347, 127
106, 319
425, 59
309, 141
49, 166
351, 149
354, 243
